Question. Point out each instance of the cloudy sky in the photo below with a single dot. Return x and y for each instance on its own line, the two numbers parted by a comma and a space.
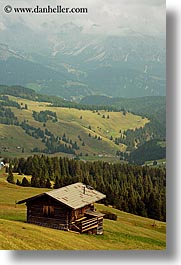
104, 16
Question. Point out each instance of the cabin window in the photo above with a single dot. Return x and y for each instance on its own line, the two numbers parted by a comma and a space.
48, 210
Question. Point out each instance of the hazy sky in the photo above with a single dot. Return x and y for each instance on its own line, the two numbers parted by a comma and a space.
104, 16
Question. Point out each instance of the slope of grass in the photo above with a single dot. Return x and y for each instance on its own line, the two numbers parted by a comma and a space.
13, 139
18, 235
82, 126
127, 233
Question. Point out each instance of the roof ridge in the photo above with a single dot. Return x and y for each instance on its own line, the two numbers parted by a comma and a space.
75, 195
64, 187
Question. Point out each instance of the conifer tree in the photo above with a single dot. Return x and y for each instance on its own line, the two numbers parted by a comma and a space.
48, 183
10, 177
25, 182
18, 182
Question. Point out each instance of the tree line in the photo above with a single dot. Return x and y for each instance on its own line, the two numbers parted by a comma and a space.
7, 116
30, 94
134, 189
134, 139
44, 116
52, 142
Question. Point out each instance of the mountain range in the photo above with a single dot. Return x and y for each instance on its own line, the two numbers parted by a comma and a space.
71, 63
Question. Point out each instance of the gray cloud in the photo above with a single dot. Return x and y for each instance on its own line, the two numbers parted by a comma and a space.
144, 16
143, 2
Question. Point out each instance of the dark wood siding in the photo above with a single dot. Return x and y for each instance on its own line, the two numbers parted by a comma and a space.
48, 212
79, 213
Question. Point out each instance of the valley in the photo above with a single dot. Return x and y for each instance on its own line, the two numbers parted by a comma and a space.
83, 102
93, 131
73, 64
34, 123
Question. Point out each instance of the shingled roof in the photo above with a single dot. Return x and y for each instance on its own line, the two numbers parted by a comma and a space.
74, 196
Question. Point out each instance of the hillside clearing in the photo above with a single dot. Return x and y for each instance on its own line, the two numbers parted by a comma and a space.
94, 132
127, 233
22, 236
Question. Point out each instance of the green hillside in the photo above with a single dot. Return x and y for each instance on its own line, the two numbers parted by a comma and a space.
30, 126
143, 105
107, 129
152, 150
127, 233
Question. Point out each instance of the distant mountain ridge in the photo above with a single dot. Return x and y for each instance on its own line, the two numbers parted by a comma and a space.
72, 64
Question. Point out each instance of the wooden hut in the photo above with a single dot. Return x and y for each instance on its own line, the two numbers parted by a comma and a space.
67, 208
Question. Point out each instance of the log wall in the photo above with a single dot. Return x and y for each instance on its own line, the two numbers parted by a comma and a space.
79, 213
47, 212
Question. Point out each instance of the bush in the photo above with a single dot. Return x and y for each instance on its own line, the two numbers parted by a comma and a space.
18, 182
109, 215
25, 182
10, 179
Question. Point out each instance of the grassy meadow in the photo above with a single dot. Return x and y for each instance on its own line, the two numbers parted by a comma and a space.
129, 232
82, 126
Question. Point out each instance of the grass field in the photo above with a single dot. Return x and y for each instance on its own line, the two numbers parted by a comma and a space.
76, 124
127, 233
13, 137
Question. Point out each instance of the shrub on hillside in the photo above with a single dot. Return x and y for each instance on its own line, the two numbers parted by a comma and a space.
109, 215
25, 182
10, 179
